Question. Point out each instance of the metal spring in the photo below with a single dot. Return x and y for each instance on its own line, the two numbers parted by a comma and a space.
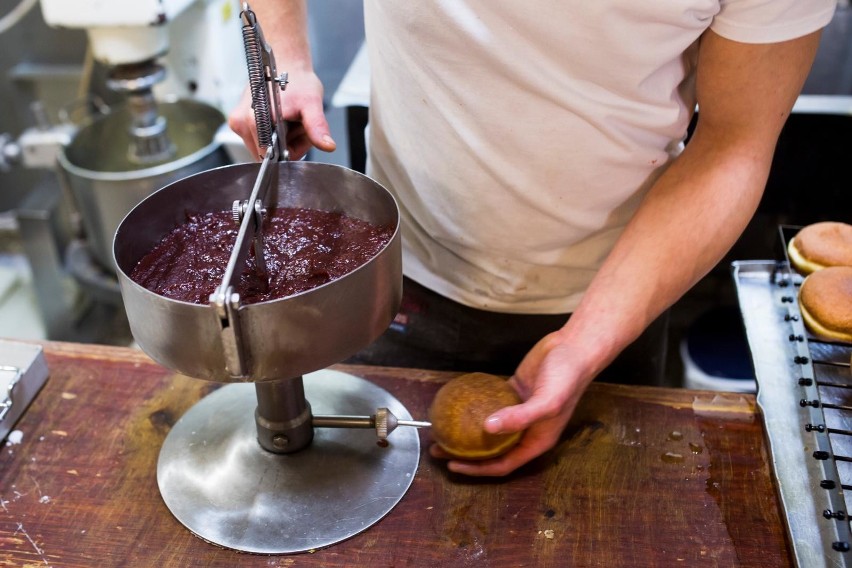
257, 84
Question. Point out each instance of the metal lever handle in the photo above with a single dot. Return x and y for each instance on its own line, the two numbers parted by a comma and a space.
224, 300
263, 78
272, 134
384, 421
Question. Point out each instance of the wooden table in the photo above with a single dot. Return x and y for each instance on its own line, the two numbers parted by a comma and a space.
643, 477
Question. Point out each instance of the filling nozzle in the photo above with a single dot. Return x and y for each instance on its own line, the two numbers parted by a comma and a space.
384, 421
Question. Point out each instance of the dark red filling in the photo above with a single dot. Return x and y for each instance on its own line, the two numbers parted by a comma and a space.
303, 248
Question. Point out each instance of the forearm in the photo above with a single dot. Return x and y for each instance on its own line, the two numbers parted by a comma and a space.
698, 208
685, 225
285, 28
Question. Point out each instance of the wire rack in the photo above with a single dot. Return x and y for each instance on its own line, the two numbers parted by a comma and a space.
805, 398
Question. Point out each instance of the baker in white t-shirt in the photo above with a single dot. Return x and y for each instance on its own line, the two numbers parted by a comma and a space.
536, 150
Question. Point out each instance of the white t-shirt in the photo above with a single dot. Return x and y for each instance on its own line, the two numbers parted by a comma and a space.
520, 137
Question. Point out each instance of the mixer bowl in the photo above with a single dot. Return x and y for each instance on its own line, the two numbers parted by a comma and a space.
106, 184
282, 338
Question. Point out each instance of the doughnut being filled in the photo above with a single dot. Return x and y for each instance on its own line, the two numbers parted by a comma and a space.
821, 245
458, 413
303, 249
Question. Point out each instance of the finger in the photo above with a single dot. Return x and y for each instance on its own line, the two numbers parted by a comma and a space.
437, 451
237, 123
316, 126
495, 467
522, 416
299, 146
241, 121
499, 466
294, 130
535, 358
297, 140
255, 143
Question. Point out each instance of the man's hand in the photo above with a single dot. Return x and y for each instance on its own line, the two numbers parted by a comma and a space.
284, 25
302, 104
550, 383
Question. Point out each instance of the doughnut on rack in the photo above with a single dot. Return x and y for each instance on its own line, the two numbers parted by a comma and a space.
277, 460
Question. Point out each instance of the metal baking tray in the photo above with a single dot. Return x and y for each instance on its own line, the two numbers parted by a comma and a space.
23, 371
804, 392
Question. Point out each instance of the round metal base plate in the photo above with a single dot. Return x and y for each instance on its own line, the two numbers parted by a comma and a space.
223, 486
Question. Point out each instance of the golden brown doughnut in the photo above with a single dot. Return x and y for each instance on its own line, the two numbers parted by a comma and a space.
825, 300
459, 410
820, 245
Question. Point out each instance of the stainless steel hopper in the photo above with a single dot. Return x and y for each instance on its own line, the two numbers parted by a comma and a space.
245, 468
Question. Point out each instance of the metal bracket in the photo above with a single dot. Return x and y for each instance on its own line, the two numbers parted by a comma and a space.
225, 301
226, 304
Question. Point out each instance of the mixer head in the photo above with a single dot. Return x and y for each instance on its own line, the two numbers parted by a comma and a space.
127, 41
149, 140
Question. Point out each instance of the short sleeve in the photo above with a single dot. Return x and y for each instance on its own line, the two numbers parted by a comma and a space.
770, 21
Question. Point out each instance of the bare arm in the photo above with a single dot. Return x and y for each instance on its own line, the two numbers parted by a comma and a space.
700, 206
685, 225
284, 24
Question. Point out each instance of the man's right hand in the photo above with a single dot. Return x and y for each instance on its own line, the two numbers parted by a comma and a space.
302, 107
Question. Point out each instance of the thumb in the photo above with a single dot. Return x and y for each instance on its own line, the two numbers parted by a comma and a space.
521, 416
317, 129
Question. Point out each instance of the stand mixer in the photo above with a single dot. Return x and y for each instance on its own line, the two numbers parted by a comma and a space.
117, 159
283, 465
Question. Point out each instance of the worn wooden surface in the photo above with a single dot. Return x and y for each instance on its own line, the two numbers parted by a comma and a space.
643, 477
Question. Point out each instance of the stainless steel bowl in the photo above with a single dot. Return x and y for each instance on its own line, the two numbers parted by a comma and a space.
107, 184
287, 337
